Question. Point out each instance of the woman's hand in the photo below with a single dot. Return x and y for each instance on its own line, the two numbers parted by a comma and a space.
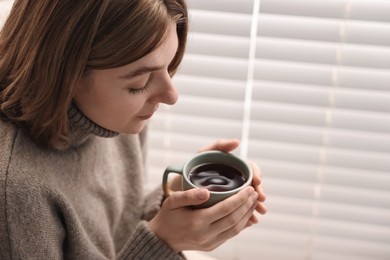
256, 183
184, 228
228, 145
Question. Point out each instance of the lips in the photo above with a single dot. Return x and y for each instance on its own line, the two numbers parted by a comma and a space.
146, 117
149, 115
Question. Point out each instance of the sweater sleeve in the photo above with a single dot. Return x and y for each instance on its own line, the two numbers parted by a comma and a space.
144, 244
152, 203
40, 225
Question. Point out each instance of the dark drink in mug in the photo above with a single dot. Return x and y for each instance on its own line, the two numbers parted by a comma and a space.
216, 177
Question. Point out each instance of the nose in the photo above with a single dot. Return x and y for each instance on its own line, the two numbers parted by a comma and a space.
167, 92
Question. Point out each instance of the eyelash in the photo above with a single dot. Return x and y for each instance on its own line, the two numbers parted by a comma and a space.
138, 91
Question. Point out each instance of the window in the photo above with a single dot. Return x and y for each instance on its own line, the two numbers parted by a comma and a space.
305, 86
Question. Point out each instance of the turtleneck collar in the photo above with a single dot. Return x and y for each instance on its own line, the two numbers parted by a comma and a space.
82, 126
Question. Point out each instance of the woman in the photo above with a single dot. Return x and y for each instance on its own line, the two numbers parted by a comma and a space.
78, 82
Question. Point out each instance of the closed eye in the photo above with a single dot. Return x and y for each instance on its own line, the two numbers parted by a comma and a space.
138, 91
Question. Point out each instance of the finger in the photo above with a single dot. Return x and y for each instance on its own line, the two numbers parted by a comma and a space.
229, 205
224, 145
253, 219
187, 198
262, 197
256, 182
248, 224
261, 208
237, 216
256, 173
176, 183
238, 227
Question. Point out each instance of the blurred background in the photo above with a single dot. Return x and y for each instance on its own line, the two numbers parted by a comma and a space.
305, 86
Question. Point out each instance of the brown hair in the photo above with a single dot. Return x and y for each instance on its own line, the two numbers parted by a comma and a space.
47, 45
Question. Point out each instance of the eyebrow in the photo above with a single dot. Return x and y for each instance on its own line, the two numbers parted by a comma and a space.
140, 71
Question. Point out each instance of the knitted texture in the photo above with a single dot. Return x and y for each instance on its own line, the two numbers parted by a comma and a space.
83, 124
82, 203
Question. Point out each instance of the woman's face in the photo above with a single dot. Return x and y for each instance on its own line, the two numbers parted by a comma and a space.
123, 99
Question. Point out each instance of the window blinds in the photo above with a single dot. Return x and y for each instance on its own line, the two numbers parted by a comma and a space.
305, 86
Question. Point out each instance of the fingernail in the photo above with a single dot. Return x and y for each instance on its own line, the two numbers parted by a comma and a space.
250, 190
201, 194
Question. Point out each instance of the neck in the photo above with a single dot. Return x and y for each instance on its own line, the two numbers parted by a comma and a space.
83, 126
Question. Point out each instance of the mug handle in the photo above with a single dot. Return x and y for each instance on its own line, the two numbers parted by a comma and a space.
165, 186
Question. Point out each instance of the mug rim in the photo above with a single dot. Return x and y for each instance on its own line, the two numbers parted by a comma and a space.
248, 182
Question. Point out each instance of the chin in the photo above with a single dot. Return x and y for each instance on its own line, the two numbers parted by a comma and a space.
134, 129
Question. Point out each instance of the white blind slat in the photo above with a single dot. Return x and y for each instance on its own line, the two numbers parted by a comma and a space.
233, 24
233, 6
208, 66
293, 50
206, 44
210, 87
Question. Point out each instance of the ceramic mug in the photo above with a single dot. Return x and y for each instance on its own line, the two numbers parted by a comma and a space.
222, 173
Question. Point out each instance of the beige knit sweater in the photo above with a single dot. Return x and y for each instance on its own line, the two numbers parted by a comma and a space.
82, 203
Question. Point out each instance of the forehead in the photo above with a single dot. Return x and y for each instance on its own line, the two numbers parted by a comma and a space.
161, 57
165, 51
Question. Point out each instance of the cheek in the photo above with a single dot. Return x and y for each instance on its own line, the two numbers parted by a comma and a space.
119, 115
126, 107
110, 104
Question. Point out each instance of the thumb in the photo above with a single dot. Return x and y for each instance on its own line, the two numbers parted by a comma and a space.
187, 198
224, 145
